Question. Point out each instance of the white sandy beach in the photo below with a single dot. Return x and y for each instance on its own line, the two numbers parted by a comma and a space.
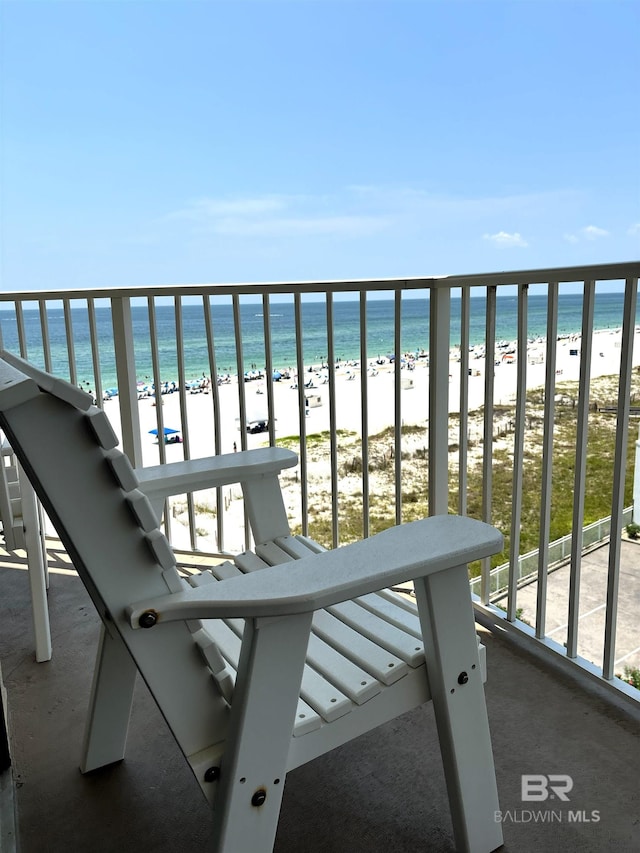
198, 426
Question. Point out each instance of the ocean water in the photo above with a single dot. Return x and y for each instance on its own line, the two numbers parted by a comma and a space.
379, 321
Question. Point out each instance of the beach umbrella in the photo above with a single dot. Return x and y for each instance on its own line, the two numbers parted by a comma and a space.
167, 431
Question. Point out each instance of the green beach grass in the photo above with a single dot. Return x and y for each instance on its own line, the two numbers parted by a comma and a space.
382, 502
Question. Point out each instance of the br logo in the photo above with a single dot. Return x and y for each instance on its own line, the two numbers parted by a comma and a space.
537, 787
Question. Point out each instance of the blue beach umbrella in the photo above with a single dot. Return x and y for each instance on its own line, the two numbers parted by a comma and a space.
167, 431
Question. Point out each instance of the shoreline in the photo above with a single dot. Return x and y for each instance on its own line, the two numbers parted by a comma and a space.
199, 434
348, 417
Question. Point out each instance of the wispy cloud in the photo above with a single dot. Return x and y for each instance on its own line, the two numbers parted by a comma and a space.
420, 202
345, 226
503, 239
212, 208
278, 216
360, 211
634, 230
590, 232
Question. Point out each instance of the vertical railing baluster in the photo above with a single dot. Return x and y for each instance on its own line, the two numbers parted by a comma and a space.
126, 373
619, 471
487, 455
155, 370
333, 428
215, 402
157, 378
213, 372
397, 401
302, 409
364, 415
580, 469
439, 345
547, 458
95, 351
184, 419
518, 453
71, 348
242, 402
22, 337
463, 432
268, 367
44, 331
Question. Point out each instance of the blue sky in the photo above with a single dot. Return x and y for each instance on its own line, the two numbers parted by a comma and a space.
187, 142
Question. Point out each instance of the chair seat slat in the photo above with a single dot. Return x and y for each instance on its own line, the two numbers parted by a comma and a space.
357, 684
390, 606
250, 562
273, 554
407, 647
382, 664
399, 601
296, 547
325, 696
306, 719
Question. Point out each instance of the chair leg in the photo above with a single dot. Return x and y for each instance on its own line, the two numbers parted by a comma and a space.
247, 805
38, 575
43, 542
107, 723
455, 680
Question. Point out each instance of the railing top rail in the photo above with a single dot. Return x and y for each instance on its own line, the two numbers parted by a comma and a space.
594, 272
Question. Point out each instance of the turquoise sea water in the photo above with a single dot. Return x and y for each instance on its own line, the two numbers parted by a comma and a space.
380, 332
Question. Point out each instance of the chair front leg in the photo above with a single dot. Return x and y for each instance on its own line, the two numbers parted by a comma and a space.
455, 680
252, 775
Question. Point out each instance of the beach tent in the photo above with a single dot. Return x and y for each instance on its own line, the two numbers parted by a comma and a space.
171, 436
166, 431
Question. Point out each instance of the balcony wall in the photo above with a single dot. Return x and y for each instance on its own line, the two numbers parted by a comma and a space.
443, 364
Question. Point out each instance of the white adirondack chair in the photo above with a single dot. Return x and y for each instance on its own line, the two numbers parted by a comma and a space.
225, 657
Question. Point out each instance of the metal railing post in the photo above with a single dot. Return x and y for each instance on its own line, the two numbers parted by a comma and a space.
126, 373
439, 338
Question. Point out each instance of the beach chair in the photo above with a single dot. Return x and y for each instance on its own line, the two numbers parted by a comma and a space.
23, 529
262, 664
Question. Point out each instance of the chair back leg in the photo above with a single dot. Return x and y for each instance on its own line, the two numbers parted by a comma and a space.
114, 679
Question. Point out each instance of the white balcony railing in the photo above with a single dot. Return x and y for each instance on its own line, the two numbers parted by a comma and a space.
456, 423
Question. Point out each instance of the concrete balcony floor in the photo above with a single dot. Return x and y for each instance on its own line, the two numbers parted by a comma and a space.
383, 792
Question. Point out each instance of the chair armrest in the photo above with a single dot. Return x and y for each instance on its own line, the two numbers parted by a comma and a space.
399, 554
177, 478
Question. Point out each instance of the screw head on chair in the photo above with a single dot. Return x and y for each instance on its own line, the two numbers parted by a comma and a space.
148, 619
259, 797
